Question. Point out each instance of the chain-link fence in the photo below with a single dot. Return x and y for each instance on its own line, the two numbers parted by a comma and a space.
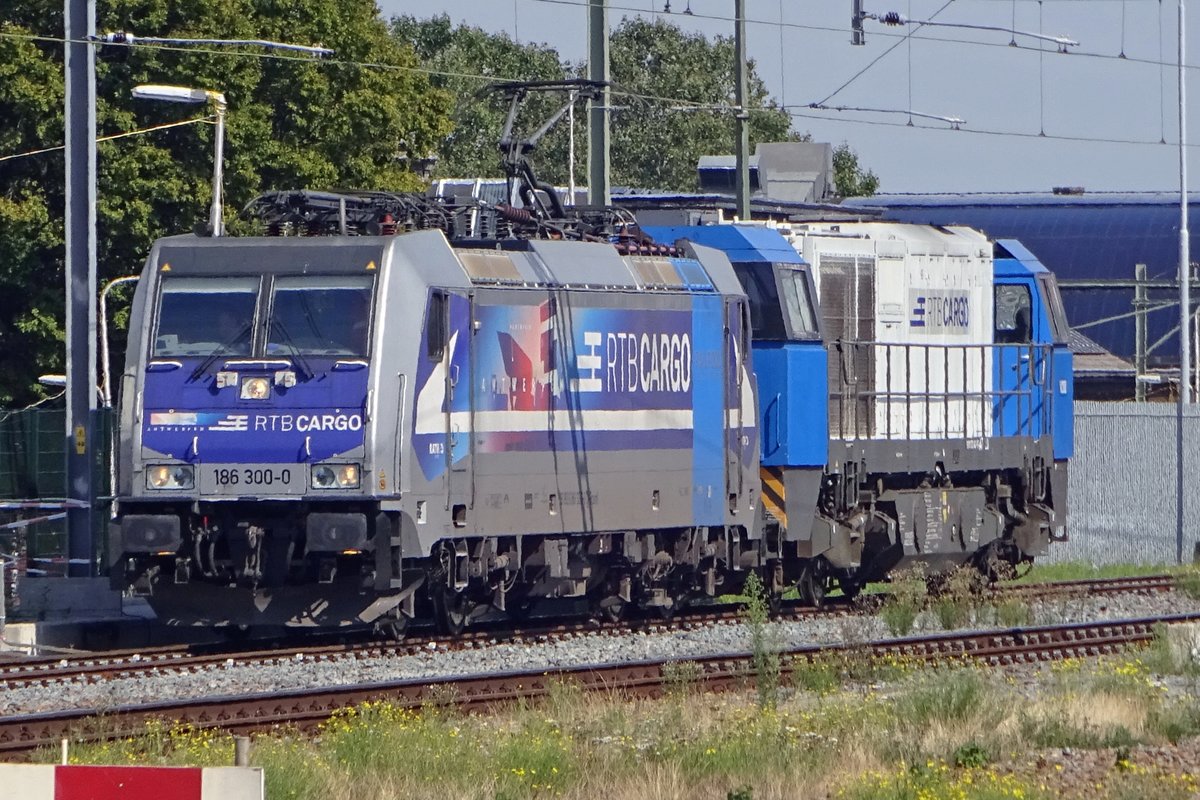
33, 469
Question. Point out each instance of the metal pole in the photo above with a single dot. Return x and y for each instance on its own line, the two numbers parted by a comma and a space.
105, 366
216, 221
742, 120
1139, 332
598, 120
80, 270
1185, 301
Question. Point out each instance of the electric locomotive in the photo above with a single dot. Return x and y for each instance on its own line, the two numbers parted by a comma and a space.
915, 393
427, 408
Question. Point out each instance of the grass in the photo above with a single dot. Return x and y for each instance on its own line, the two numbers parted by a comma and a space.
847, 726
1080, 570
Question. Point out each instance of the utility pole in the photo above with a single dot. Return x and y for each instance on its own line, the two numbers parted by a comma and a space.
742, 118
1140, 303
80, 25
1185, 302
598, 108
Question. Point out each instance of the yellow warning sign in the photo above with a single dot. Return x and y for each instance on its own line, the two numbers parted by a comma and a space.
165, 268
80, 440
370, 265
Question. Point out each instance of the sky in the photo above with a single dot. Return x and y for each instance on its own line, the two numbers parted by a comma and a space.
1034, 118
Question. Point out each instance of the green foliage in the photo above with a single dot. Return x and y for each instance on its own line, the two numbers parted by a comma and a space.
972, 755
291, 122
849, 178
456, 56
653, 144
764, 642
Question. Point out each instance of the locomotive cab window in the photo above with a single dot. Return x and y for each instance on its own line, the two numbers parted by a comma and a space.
1014, 315
796, 294
781, 304
205, 316
315, 316
436, 327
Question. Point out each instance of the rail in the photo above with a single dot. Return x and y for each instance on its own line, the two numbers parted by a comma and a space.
886, 390
307, 709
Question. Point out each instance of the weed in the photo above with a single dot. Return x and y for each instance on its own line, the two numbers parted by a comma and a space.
1013, 613
741, 793
764, 642
951, 695
1175, 722
936, 781
681, 678
1188, 582
1060, 729
972, 755
957, 596
907, 598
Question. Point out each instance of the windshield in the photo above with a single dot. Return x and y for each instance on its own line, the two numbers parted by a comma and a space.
320, 316
203, 316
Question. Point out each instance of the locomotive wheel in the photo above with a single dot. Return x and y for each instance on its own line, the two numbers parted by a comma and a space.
612, 609
812, 584
451, 610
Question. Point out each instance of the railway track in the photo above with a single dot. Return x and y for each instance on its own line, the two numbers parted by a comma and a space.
192, 658
21, 735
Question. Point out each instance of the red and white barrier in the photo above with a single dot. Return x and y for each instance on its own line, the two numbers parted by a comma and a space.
50, 782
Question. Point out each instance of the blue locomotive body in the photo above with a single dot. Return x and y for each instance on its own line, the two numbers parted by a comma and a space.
895, 449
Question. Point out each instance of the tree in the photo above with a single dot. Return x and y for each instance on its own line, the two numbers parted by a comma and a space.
356, 120
465, 61
658, 67
850, 179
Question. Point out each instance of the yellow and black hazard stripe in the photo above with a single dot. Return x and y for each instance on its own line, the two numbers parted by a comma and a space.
773, 495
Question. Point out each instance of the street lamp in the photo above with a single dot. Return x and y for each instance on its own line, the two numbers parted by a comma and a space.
183, 94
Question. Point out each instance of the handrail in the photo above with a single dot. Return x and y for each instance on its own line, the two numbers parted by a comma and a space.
894, 390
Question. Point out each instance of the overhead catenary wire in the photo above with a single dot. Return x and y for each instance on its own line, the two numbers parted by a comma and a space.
649, 98
110, 137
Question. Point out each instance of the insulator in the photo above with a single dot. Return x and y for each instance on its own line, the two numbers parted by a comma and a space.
387, 226
892, 18
514, 214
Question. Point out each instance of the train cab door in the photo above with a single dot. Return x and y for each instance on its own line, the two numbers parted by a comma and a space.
1013, 320
737, 333
455, 319
1021, 367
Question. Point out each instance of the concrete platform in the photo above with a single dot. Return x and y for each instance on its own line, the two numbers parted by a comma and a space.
83, 614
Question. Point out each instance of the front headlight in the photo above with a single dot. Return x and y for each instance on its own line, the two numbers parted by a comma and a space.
335, 476
256, 389
170, 476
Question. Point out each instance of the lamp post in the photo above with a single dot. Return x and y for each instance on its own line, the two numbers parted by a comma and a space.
183, 94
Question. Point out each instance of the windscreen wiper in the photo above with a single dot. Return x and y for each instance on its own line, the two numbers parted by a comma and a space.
297, 357
220, 351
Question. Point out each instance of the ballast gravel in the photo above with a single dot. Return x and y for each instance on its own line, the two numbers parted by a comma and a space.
600, 647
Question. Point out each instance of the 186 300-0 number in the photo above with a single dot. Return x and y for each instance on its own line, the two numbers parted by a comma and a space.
251, 476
